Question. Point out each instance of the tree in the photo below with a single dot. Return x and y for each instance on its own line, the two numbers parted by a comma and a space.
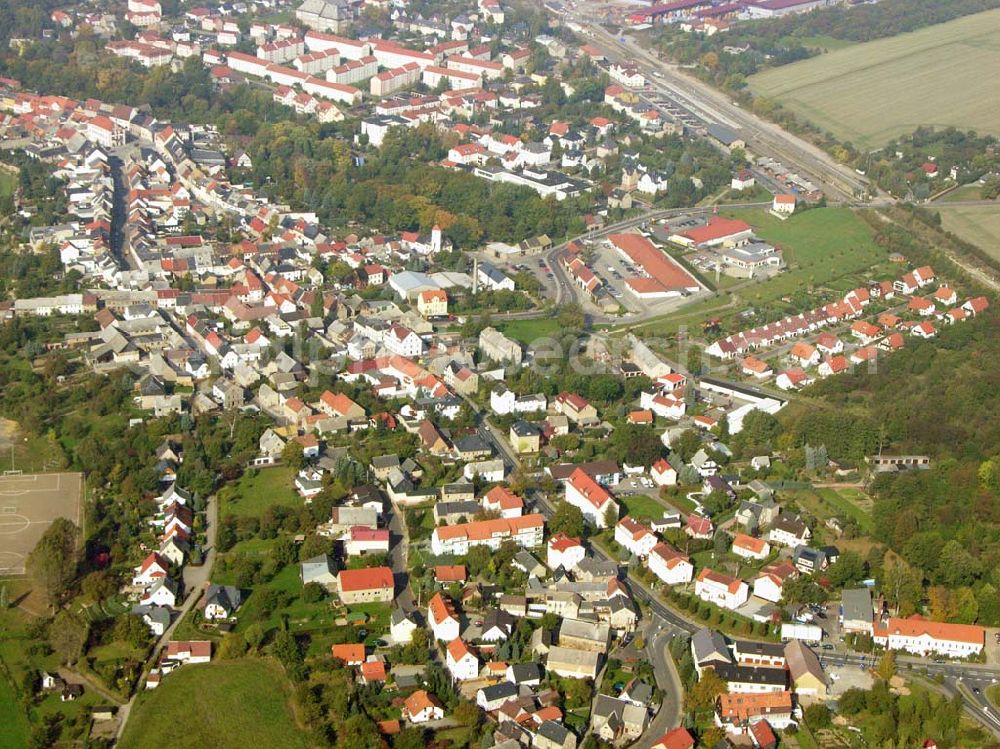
611, 515
817, 716
902, 586
567, 519
293, 456
887, 665
131, 630
67, 635
313, 593
703, 695
409, 738
358, 732
467, 714
52, 563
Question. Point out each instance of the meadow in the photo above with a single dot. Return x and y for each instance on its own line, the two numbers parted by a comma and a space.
224, 705
869, 93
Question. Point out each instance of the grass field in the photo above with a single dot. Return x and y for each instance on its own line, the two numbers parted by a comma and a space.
978, 224
527, 331
8, 183
252, 494
641, 507
823, 247
15, 725
224, 705
870, 93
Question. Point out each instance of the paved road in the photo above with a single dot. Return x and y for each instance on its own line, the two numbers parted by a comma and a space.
399, 557
658, 637
195, 580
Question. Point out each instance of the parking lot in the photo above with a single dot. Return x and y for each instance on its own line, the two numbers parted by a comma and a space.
842, 678
612, 268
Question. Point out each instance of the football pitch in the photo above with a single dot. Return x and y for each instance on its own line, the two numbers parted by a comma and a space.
28, 505
869, 93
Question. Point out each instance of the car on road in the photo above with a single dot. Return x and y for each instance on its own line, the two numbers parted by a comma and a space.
827, 646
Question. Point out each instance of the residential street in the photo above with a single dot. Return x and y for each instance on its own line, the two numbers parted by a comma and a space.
195, 580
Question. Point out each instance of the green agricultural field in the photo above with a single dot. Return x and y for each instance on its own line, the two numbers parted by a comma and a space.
978, 224
224, 705
869, 93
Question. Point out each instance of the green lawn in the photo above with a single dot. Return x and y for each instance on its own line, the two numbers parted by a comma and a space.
223, 705
527, 331
8, 183
15, 724
252, 494
869, 93
972, 191
640, 506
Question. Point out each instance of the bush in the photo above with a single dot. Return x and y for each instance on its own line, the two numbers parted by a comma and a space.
313, 593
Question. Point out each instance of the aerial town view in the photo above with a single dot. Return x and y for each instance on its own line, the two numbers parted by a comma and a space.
499, 374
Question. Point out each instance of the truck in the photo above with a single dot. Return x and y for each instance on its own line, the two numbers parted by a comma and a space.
805, 632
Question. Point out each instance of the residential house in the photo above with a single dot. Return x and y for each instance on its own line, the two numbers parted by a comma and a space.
365, 585
460, 661
564, 551
769, 584
722, 590
592, 499
635, 537
422, 706
749, 547
443, 619
670, 565
221, 601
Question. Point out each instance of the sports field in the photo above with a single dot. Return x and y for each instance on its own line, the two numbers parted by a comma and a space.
870, 93
28, 505
978, 224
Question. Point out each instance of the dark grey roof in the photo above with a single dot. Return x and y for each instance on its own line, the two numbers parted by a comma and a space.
553, 731
707, 645
503, 690
525, 672
749, 675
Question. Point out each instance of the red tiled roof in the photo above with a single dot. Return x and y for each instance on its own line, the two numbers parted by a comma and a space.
365, 579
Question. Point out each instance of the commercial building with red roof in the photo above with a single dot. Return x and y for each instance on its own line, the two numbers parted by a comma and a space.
923, 637
716, 231
664, 276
